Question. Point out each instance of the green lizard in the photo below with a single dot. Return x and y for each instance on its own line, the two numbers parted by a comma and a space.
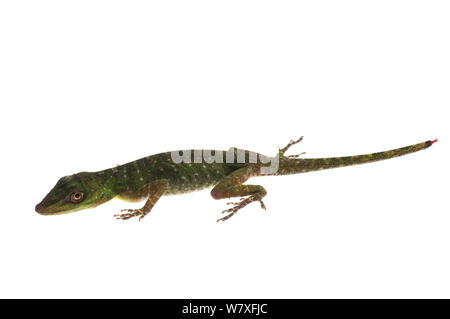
177, 172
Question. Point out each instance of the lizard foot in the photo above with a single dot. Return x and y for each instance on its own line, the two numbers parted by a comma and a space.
131, 213
244, 202
291, 143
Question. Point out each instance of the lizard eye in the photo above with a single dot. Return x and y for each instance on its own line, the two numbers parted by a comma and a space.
76, 197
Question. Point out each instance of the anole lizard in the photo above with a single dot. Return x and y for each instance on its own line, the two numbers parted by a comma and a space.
157, 175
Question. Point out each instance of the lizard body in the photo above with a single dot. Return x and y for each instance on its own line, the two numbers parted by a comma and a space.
154, 176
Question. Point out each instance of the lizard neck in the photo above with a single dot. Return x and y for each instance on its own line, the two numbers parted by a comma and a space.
106, 181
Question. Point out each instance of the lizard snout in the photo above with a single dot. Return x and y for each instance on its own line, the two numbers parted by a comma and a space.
38, 208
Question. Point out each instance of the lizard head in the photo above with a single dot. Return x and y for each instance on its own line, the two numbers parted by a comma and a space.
72, 193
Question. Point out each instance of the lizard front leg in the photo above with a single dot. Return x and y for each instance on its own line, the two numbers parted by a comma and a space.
232, 186
155, 190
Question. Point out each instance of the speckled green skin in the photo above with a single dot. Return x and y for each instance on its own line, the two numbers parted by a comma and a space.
129, 179
157, 175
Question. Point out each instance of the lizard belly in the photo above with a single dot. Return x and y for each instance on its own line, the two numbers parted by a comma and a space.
131, 197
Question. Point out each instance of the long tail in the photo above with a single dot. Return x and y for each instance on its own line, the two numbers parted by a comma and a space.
295, 166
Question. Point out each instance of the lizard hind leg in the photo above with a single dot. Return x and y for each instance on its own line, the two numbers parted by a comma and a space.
232, 186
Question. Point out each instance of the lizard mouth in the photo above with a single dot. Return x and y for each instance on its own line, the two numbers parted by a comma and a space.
41, 209
44, 209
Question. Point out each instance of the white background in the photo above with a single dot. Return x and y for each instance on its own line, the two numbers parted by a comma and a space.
86, 85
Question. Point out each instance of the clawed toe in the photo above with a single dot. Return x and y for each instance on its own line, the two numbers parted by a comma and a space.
263, 206
228, 216
295, 156
233, 203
